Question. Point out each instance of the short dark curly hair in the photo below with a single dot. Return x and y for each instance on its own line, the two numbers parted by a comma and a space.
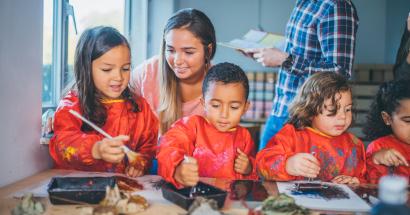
388, 100
226, 73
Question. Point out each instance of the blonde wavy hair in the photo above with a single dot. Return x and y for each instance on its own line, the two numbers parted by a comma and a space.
195, 21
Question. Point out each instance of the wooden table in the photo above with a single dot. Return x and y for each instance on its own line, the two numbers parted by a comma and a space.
8, 193
8, 200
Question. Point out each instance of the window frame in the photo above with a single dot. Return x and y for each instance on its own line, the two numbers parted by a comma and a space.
59, 46
135, 29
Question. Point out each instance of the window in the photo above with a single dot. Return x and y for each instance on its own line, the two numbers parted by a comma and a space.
62, 18
88, 14
48, 75
64, 21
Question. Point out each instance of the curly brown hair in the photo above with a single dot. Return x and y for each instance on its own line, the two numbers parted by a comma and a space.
310, 99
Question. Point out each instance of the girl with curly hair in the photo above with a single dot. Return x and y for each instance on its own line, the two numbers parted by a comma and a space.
388, 126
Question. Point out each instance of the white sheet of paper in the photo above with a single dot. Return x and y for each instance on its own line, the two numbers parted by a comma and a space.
353, 203
254, 36
256, 39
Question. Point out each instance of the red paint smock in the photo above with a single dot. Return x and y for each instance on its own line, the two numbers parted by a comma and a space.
341, 155
375, 171
71, 148
214, 150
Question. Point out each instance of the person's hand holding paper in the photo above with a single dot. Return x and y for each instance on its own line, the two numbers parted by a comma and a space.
269, 57
262, 46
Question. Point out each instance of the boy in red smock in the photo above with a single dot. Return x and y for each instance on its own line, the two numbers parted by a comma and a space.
214, 145
315, 144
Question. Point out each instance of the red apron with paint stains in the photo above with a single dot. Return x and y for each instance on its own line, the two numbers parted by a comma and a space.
341, 155
374, 171
215, 151
70, 147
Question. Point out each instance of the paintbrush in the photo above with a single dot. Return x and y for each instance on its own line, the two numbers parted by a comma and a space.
132, 156
309, 186
193, 188
311, 179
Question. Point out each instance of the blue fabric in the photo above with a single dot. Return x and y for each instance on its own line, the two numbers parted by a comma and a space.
154, 167
320, 36
272, 126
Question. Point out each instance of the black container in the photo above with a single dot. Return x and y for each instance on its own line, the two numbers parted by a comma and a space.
75, 190
181, 197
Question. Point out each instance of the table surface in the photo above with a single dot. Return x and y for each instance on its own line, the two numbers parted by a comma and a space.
158, 205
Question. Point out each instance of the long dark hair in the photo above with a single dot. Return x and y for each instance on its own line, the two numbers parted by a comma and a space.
387, 99
93, 43
402, 53
311, 97
199, 25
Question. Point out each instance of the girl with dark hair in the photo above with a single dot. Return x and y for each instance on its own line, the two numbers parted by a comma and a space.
388, 126
315, 142
101, 94
172, 82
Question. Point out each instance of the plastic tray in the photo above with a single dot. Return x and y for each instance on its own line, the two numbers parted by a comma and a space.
75, 190
181, 197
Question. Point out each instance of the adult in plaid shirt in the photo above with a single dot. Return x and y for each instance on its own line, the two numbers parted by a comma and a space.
320, 36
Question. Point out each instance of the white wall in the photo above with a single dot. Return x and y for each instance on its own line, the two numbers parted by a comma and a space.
371, 35
160, 11
380, 27
233, 18
21, 154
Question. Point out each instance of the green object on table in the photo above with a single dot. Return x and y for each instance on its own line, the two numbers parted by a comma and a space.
282, 205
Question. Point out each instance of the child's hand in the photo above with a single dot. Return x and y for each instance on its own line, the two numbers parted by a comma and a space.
389, 157
242, 164
186, 173
345, 179
110, 149
133, 172
303, 164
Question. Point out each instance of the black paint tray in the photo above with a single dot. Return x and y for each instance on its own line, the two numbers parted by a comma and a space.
182, 198
76, 190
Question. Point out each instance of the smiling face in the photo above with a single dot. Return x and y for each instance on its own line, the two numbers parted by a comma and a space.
225, 104
400, 121
339, 123
111, 72
185, 55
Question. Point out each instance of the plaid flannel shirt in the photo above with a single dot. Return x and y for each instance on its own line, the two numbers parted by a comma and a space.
320, 36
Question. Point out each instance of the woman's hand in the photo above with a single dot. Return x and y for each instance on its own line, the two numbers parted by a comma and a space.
186, 173
110, 150
303, 164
